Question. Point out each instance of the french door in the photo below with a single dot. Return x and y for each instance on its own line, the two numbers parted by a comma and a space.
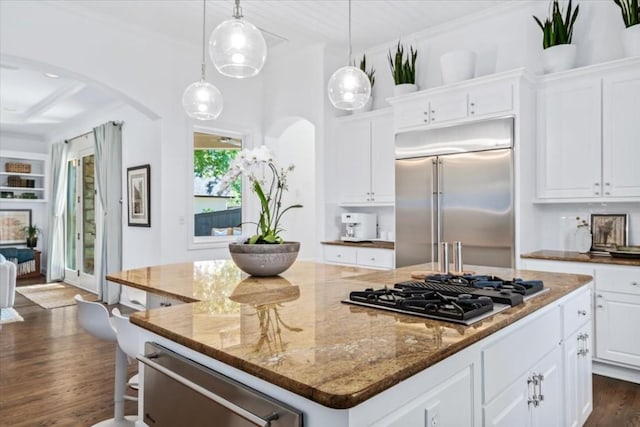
82, 210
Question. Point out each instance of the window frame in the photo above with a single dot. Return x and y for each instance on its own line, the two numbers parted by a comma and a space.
214, 242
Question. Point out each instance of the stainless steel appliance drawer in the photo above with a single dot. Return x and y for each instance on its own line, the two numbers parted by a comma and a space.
181, 392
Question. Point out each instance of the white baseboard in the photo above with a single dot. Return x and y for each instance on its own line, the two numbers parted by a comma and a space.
616, 371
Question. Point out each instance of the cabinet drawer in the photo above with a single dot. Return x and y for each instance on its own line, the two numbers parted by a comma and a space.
340, 254
618, 280
377, 258
504, 361
411, 113
576, 312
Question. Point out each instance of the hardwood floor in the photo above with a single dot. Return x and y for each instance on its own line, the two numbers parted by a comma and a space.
52, 373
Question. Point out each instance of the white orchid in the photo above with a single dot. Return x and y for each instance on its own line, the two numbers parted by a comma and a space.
270, 202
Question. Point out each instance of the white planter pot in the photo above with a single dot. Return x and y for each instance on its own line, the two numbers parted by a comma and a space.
559, 58
366, 107
457, 66
631, 40
404, 88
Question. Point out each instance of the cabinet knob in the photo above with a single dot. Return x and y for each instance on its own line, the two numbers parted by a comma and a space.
339, 256
599, 296
635, 284
597, 193
607, 183
599, 306
607, 193
582, 312
426, 120
597, 184
472, 103
372, 259
426, 113
473, 112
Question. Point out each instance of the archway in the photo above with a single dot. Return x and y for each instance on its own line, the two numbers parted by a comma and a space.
293, 141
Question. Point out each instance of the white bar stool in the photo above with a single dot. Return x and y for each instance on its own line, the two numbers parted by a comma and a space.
94, 318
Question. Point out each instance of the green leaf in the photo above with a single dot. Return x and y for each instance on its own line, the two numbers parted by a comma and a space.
253, 239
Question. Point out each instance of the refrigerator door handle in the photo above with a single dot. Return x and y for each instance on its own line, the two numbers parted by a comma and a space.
435, 214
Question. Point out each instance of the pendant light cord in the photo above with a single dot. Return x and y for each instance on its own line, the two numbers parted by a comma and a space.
204, 19
237, 10
349, 58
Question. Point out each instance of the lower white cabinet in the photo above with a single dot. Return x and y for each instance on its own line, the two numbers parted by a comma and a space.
534, 399
617, 327
449, 404
363, 257
578, 376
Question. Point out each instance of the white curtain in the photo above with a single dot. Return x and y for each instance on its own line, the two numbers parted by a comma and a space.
56, 238
108, 140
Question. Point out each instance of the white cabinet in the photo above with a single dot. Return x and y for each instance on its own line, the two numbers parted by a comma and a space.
377, 258
534, 399
617, 308
478, 99
366, 159
449, 404
578, 376
23, 177
587, 134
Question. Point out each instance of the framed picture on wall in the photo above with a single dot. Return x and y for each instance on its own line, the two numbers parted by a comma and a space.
609, 231
139, 196
12, 225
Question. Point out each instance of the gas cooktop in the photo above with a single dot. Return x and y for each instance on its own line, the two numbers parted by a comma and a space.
461, 299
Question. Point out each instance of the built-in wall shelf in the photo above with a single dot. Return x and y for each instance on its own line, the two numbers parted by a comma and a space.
16, 184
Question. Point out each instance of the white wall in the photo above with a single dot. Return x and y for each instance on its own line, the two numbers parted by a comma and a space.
149, 72
26, 143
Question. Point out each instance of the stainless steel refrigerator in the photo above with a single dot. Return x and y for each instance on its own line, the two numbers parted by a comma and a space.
456, 184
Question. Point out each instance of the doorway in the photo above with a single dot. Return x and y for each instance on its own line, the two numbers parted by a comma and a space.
81, 212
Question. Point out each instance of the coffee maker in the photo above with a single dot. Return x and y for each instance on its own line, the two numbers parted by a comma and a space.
359, 226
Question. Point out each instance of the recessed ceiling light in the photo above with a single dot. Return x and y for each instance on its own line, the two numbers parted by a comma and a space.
51, 75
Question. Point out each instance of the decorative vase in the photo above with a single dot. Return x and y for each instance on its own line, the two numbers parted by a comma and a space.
583, 239
457, 66
404, 88
32, 242
559, 58
631, 40
264, 259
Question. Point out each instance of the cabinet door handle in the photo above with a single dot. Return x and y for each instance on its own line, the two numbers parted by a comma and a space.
582, 312
635, 284
540, 395
532, 399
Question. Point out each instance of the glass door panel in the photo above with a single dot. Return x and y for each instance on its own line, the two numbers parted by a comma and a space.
70, 247
88, 214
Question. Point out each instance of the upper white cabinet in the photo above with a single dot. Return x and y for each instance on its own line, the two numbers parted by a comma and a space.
366, 159
478, 98
23, 177
587, 134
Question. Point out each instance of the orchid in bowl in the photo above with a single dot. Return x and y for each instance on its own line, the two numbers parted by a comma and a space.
271, 211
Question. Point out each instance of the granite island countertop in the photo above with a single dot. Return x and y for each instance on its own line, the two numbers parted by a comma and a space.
294, 332
554, 255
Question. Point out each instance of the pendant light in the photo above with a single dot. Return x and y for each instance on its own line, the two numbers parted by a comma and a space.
202, 100
237, 47
349, 87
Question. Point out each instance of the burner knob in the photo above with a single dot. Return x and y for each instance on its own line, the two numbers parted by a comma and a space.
464, 296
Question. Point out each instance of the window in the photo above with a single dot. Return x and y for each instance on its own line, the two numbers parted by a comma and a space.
217, 214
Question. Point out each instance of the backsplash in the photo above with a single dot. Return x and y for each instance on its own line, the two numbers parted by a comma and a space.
557, 223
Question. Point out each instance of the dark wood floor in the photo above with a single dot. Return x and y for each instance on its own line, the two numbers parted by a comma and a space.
52, 373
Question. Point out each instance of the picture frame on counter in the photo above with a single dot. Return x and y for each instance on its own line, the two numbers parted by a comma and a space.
609, 231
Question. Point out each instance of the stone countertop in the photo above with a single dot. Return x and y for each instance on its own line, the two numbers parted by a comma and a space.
381, 244
294, 332
578, 257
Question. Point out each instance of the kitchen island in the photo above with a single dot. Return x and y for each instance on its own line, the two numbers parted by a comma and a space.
292, 338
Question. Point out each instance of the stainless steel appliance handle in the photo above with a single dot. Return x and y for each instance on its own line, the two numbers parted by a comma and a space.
438, 210
252, 418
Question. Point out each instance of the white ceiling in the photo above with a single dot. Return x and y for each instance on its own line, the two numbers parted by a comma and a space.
33, 104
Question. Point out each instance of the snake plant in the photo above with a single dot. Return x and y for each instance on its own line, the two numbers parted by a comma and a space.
630, 12
370, 73
557, 29
403, 71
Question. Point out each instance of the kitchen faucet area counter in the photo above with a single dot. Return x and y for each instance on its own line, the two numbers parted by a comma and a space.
293, 331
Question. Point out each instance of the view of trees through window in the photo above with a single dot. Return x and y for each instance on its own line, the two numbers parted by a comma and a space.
215, 213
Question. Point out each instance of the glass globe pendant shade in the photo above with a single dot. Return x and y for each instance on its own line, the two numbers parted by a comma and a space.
237, 48
349, 88
202, 100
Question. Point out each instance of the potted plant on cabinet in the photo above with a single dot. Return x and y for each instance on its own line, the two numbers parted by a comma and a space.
264, 253
403, 70
557, 31
31, 233
372, 79
631, 33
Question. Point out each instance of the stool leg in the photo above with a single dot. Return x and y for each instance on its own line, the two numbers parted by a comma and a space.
120, 384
